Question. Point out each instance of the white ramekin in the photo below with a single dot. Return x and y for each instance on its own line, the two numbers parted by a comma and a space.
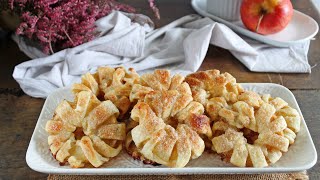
225, 9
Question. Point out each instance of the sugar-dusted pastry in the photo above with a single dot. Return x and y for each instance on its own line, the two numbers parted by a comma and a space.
168, 123
209, 84
250, 134
112, 84
248, 129
85, 131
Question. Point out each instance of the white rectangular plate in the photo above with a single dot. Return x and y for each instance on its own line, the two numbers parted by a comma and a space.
302, 154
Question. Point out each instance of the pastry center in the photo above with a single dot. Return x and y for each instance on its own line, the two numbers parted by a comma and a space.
78, 133
250, 135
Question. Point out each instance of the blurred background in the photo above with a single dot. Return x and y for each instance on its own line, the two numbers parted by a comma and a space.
317, 3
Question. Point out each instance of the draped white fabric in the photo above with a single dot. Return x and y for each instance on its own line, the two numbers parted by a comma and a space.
129, 40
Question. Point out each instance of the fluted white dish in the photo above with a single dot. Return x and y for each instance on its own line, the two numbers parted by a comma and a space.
300, 29
225, 9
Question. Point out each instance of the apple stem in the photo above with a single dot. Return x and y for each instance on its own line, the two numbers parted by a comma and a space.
259, 22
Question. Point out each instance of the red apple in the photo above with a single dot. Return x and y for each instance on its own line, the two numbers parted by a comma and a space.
266, 16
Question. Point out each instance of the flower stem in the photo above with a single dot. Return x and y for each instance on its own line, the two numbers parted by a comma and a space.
65, 32
154, 9
50, 46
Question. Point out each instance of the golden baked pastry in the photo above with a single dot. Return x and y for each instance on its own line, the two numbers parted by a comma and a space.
248, 129
85, 131
211, 83
168, 121
112, 84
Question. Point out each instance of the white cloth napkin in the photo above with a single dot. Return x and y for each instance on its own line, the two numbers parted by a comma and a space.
129, 40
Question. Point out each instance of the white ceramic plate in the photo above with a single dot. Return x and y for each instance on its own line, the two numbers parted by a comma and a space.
301, 28
301, 155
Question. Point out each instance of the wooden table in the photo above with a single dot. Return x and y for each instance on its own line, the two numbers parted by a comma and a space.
19, 112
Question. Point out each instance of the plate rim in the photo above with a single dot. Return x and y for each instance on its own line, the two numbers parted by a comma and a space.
246, 32
166, 170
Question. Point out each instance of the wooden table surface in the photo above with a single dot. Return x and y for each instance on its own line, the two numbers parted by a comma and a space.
19, 112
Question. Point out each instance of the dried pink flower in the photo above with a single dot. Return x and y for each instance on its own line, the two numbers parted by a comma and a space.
154, 8
59, 24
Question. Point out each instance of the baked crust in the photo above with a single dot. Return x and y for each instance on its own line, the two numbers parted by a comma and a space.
169, 123
249, 129
171, 117
112, 84
85, 131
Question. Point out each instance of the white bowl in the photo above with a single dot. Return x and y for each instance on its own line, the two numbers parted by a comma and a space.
225, 9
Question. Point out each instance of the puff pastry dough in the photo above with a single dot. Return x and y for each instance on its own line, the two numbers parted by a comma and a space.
248, 129
85, 131
112, 84
210, 84
168, 120
172, 120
